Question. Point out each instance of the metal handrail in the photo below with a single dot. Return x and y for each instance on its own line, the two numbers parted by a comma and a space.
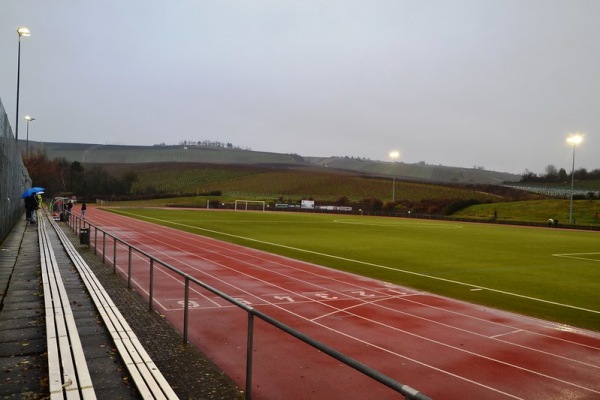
76, 223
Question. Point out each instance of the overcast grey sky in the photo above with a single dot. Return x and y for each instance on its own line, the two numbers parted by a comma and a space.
497, 84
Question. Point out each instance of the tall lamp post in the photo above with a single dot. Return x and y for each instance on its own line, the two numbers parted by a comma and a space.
29, 118
573, 139
21, 31
394, 155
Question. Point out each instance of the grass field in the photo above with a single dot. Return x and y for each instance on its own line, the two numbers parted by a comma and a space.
552, 274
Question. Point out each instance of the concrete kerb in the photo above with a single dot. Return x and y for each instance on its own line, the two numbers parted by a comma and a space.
23, 361
191, 374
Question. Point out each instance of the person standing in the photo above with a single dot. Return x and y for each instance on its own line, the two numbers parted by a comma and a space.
596, 217
33, 206
83, 209
28, 208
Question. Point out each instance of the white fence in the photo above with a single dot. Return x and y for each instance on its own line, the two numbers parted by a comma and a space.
554, 192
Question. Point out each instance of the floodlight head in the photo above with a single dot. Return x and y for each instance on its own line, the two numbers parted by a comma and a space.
575, 139
22, 31
29, 118
394, 155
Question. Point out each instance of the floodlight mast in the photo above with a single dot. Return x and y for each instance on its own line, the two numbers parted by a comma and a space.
573, 139
21, 31
28, 118
394, 155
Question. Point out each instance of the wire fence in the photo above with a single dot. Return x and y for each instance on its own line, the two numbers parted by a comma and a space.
14, 178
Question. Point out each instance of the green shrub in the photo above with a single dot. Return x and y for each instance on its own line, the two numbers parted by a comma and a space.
459, 205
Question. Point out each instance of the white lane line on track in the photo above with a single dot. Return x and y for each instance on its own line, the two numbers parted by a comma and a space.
414, 335
229, 249
396, 354
133, 280
377, 303
444, 310
420, 337
224, 266
346, 309
452, 327
510, 334
126, 234
371, 264
463, 315
429, 366
494, 338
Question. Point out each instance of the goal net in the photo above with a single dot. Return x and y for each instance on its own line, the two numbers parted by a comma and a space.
246, 205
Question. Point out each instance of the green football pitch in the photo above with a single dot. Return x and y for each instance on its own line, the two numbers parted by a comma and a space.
548, 273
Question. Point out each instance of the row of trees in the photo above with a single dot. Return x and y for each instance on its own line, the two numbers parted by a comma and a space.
59, 177
207, 143
555, 175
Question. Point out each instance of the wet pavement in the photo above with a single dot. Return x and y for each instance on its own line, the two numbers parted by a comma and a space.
23, 358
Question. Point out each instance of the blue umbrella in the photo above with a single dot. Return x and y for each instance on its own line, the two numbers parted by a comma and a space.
31, 191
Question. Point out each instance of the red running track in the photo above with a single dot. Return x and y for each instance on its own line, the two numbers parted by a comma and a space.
444, 348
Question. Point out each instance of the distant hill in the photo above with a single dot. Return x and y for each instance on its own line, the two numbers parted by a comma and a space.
418, 172
112, 154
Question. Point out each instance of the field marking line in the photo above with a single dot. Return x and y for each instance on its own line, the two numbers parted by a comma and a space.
357, 305
264, 298
470, 285
396, 354
400, 224
419, 336
536, 333
277, 303
512, 333
229, 284
474, 333
468, 352
362, 301
574, 256
232, 248
122, 268
377, 303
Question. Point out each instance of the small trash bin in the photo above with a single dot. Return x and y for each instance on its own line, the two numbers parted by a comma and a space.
84, 236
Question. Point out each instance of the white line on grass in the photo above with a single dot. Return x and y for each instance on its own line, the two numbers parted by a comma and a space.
398, 224
370, 264
577, 256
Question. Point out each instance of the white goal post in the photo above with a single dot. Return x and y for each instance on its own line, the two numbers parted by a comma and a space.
244, 204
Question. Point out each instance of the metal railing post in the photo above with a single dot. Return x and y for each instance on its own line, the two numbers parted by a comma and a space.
151, 288
186, 302
103, 247
95, 240
114, 255
249, 352
129, 269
